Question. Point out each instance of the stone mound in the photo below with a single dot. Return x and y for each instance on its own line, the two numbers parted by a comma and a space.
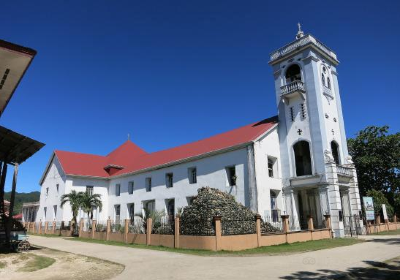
198, 218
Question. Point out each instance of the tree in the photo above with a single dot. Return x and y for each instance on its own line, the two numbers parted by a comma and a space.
75, 199
376, 155
90, 201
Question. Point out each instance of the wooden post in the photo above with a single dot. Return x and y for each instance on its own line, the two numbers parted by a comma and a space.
81, 227
310, 223
218, 233
46, 227
177, 233
12, 199
54, 227
148, 230
93, 228
71, 227
2, 183
126, 230
395, 218
108, 229
328, 224
378, 220
258, 229
285, 223
328, 221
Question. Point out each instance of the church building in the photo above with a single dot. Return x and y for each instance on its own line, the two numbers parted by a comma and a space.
295, 163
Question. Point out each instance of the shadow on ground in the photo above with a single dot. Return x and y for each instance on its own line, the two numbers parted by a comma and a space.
376, 270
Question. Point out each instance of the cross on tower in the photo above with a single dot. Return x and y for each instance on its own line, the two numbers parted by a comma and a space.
299, 131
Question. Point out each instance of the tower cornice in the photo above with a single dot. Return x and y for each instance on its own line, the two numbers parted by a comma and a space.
301, 44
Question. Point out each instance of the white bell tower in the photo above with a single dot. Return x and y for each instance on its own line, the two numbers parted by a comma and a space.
318, 175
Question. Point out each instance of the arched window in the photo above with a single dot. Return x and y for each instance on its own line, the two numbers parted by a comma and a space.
302, 158
328, 81
323, 79
335, 152
293, 73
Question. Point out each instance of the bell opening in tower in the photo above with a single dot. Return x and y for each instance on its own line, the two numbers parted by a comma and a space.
293, 74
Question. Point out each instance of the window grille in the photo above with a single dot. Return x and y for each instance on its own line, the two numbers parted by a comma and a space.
192, 175
89, 190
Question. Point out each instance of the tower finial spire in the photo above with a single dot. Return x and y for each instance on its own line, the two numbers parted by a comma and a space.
129, 136
300, 33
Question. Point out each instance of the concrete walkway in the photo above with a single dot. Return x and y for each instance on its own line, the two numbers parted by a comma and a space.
150, 264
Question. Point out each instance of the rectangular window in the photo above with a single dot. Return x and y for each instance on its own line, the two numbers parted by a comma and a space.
45, 212
231, 174
272, 167
169, 180
149, 205
47, 192
89, 190
192, 175
117, 209
190, 200
117, 190
131, 212
57, 187
148, 184
131, 186
55, 211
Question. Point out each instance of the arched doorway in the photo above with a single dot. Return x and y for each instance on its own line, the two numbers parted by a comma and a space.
302, 158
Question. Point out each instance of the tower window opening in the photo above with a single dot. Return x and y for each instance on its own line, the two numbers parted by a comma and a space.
293, 74
303, 111
323, 79
328, 82
302, 158
335, 152
292, 114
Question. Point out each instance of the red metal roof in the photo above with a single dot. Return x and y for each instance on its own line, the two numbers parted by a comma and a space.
134, 159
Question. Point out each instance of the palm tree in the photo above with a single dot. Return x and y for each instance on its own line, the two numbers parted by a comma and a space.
90, 201
74, 198
156, 216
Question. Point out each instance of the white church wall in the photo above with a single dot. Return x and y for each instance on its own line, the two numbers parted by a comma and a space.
211, 172
54, 176
268, 148
100, 186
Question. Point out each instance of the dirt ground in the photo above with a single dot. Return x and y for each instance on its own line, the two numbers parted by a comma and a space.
66, 266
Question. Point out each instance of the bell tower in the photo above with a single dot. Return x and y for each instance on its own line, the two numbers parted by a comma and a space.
312, 137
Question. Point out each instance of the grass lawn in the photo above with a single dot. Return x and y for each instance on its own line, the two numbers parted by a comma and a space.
391, 232
270, 250
36, 262
47, 235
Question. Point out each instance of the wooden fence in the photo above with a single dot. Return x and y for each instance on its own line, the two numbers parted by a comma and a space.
216, 242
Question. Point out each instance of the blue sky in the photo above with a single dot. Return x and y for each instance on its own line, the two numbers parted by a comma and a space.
171, 72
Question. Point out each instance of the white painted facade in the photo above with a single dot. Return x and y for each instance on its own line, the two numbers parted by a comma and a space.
211, 172
304, 177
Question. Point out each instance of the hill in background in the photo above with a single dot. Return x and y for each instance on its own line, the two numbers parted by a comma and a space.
22, 198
